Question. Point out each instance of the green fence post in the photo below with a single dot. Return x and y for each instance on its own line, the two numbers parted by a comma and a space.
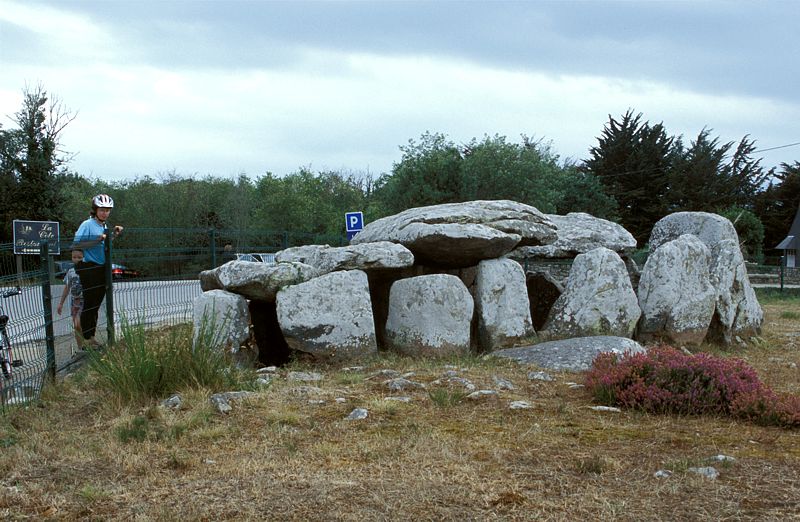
285, 240
109, 290
213, 242
783, 269
47, 307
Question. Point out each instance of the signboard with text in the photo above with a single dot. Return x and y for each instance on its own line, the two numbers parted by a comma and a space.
29, 234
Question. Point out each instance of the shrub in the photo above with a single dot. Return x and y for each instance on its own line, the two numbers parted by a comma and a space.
665, 380
154, 364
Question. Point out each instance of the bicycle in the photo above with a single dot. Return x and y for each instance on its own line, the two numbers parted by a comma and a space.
7, 361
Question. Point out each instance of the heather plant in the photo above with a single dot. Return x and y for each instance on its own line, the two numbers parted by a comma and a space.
665, 380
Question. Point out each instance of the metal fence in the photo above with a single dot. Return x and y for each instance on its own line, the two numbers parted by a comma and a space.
27, 328
154, 281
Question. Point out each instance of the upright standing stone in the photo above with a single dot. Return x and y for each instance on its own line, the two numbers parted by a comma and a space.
221, 320
738, 312
429, 315
707, 227
329, 317
675, 292
598, 299
501, 304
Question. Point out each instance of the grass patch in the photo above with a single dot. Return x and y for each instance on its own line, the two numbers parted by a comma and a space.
146, 365
593, 465
92, 493
790, 314
349, 378
289, 454
776, 295
446, 397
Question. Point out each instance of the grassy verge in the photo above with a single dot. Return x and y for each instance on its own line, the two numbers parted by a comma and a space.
290, 453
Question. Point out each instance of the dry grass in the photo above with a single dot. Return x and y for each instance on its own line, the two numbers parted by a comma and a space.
284, 456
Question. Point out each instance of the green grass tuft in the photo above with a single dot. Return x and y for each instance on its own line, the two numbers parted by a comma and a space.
446, 397
148, 365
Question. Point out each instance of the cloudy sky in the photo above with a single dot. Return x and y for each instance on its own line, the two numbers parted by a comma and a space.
229, 87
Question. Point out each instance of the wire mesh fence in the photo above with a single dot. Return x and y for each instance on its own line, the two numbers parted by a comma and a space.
23, 327
153, 281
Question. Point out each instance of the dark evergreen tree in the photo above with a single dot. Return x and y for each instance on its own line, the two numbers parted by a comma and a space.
744, 175
777, 206
632, 160
695, 175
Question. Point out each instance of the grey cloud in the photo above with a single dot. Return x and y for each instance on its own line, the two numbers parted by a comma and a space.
725, 47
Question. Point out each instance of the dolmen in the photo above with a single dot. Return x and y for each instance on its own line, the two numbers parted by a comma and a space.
467, 277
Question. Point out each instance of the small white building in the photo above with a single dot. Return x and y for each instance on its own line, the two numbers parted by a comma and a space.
790, 243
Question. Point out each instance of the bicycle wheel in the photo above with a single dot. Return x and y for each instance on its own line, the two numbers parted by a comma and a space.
5, 348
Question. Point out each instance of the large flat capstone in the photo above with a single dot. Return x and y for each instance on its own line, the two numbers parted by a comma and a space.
462, 234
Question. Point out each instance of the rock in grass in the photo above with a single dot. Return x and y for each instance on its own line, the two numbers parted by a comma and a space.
481, 394
707, 472
358, 414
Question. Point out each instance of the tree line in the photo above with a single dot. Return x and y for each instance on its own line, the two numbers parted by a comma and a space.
635, 174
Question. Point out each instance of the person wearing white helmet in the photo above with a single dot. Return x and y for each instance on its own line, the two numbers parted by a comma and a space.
90, 238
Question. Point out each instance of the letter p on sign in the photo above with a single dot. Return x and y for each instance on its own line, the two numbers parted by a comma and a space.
354, 221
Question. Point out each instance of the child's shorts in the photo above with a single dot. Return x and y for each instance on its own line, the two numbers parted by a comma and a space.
76, 307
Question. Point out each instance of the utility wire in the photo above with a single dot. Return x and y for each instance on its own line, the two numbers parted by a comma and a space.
778, 147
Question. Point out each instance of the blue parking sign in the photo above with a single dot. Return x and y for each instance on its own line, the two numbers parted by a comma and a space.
354, 221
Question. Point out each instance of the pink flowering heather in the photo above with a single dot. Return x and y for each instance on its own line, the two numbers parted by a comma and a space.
665, 380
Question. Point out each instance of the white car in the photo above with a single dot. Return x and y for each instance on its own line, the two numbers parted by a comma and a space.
257, 258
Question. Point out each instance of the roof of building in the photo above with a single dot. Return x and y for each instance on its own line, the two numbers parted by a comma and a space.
790, 242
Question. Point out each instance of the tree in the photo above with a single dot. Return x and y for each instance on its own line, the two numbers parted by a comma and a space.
778, 204
750, 231
496, 169
632, 160
706, 177
33, 165
428, 173
745, 175
651, 174
307, 203
583, 192
696, 174
435, 170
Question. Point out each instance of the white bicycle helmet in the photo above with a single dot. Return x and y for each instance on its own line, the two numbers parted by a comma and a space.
103, 201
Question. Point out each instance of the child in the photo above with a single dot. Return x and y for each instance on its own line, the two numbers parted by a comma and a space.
72, 282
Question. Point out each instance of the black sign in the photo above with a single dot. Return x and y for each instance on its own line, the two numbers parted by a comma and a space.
28, 235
